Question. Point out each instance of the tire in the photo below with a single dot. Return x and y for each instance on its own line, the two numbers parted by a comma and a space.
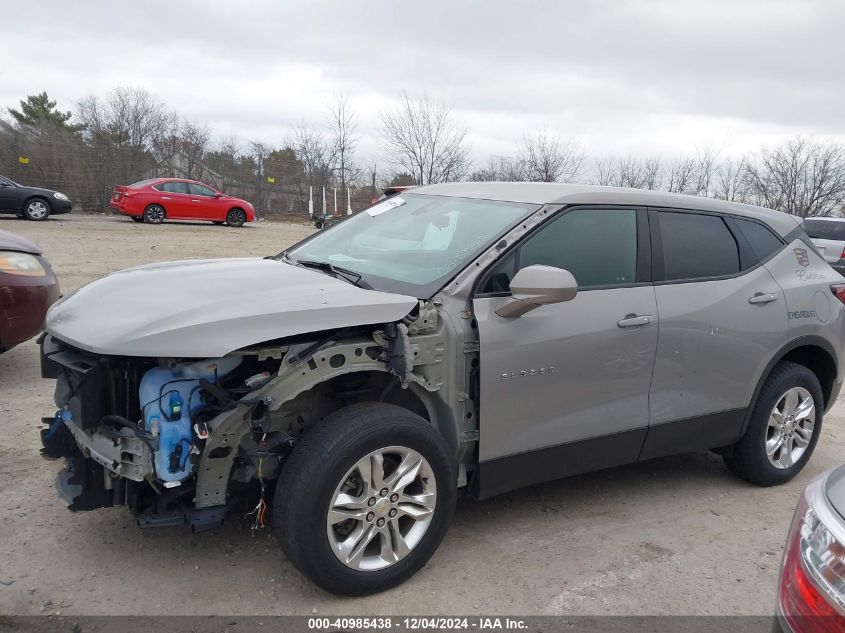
788, 413
137, 218
326, 459
154, 214
36, 209
235, 217
318, 224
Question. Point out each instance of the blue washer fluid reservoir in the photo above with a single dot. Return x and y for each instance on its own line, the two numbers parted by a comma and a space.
169, 397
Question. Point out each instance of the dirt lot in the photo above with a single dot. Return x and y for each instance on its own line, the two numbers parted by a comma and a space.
671, 536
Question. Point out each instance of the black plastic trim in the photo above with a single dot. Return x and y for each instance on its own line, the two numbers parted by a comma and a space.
698, 433
500, 475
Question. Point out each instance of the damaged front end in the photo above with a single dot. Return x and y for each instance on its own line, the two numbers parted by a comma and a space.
181, 441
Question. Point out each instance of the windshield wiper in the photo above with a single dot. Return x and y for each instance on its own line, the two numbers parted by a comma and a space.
353, 277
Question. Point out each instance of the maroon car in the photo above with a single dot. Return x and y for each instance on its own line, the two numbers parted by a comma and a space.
27, 288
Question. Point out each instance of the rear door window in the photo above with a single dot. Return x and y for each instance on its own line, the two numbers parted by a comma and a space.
173, 187
696, 246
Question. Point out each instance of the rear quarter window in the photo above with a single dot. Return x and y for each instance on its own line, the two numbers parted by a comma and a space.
763, 241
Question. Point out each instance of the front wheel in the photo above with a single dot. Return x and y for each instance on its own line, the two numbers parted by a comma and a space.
783, 429
235, 217
365, 498
36, 209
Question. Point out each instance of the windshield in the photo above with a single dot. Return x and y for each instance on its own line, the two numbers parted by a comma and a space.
413, 243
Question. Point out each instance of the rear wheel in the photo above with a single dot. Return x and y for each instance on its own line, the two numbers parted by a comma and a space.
783, 429
235, 217
154, 214
36, 209
365, 498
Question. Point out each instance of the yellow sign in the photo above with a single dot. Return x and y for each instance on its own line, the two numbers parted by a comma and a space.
271, 179
23, 161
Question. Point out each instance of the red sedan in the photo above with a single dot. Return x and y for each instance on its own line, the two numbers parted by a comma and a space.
27, 288
154, 201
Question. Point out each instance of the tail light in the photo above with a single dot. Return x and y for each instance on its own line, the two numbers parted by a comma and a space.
811, 595
839, 291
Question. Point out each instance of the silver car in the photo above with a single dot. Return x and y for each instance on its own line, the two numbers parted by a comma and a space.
828, 235
476, 337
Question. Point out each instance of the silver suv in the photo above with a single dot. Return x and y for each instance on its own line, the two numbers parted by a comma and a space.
476, 337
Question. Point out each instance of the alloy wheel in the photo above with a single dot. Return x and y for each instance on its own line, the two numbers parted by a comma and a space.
154, 214
381, 509
791, 426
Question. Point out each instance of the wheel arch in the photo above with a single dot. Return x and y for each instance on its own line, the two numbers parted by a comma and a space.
813, 352
36, 196
155, 204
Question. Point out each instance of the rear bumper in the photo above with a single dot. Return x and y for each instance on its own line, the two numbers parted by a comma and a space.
23, 304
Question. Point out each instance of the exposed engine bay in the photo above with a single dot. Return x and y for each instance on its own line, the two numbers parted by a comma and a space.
184, 440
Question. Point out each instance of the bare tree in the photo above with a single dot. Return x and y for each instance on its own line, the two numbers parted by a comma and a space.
500, 169
422, 138
344, 139
193, 142
731, 180
546, 157
801, 176
128, 117
630, 171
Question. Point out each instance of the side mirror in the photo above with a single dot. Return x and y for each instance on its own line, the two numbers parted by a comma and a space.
537, 285
218, 195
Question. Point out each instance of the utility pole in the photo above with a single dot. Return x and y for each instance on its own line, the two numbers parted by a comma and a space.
311, 201
348, 202
335, 201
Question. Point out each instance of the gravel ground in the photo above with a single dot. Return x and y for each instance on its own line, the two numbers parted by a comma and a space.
679, 535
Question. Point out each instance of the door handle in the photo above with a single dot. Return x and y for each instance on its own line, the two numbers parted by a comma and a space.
165, 197
760, 298
634, 320
194, 200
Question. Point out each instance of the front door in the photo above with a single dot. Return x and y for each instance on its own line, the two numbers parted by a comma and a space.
204, 203
564, 388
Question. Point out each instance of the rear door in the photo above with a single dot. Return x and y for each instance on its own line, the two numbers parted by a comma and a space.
175, 199
721, 316
564, 388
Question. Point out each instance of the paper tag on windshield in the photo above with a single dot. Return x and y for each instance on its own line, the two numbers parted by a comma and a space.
386, 205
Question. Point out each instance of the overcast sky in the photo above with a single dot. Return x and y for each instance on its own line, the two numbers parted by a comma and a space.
623, 76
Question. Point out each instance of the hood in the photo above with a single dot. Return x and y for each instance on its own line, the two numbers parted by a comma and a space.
47, 192
208, 308
12, 242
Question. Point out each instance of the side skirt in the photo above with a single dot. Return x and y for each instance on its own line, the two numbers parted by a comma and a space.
500, 475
